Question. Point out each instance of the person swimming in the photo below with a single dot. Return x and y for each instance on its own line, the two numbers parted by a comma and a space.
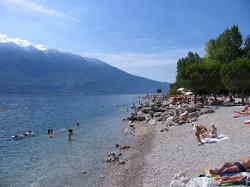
28, 133
23, 135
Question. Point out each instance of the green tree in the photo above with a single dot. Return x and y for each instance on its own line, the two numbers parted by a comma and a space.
225, 67
226, 47
246, 47
237, 75
159, 90
182, 67
173, 89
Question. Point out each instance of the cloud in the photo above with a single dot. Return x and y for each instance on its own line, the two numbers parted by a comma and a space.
33, 6
156, 65
21, 42
167, 57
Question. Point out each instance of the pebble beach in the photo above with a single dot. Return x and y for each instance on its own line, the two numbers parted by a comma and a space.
161, 150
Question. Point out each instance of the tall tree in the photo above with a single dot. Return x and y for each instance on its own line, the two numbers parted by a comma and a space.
183, 64
246, 47
237, 75
226, 47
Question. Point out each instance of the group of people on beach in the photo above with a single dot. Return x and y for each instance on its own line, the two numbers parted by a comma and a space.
234, 172
228, 172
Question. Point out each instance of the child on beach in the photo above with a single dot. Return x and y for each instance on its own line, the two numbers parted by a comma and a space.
213, 132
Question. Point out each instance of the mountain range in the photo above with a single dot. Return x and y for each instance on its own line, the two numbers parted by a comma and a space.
29, 70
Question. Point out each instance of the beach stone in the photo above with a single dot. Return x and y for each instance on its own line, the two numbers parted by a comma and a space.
140, 118
177, 183
132, 125
189, 109
146, 110
159, 119
155, 108
122, 147
112, 156
148, 117
122, 162
162, 109
152, 122
140, 113
157, 114
84, 172
127, 131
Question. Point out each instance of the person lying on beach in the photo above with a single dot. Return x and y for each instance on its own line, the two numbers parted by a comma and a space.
173, 100
240, 178
183, 117
230, 167
246, 109
200, 132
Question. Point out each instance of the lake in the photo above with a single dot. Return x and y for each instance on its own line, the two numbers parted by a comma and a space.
56, 162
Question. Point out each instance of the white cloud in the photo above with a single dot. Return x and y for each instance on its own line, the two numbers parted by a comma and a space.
33, 6
21, 42
157, 66
40, 47
142, 59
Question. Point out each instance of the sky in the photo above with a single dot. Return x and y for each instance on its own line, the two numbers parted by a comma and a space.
142, 37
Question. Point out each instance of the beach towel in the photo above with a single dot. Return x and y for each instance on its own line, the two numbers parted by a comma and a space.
247, 122
202, 182
215, 140
240, 114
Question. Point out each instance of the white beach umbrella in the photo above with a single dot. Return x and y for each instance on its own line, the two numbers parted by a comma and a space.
189, 93
180, 89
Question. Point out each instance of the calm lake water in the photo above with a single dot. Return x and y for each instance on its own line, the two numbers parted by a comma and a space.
41, 161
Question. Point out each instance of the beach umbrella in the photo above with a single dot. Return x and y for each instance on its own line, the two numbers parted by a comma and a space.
180, 89
189, 93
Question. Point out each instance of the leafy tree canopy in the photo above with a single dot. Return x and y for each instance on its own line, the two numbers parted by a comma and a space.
225, 67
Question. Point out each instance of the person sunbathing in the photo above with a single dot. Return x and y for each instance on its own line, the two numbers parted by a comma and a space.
241, 178
230, 167
246, 109
200, 132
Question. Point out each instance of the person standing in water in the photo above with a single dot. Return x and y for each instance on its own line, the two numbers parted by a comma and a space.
70, 134
50, 133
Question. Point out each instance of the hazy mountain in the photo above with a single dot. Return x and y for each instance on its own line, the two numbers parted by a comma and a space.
29, 70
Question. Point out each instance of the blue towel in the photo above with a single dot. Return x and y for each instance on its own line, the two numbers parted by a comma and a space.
229, 174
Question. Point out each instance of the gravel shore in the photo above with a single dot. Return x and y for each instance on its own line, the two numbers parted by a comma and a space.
157, 156
178, 150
